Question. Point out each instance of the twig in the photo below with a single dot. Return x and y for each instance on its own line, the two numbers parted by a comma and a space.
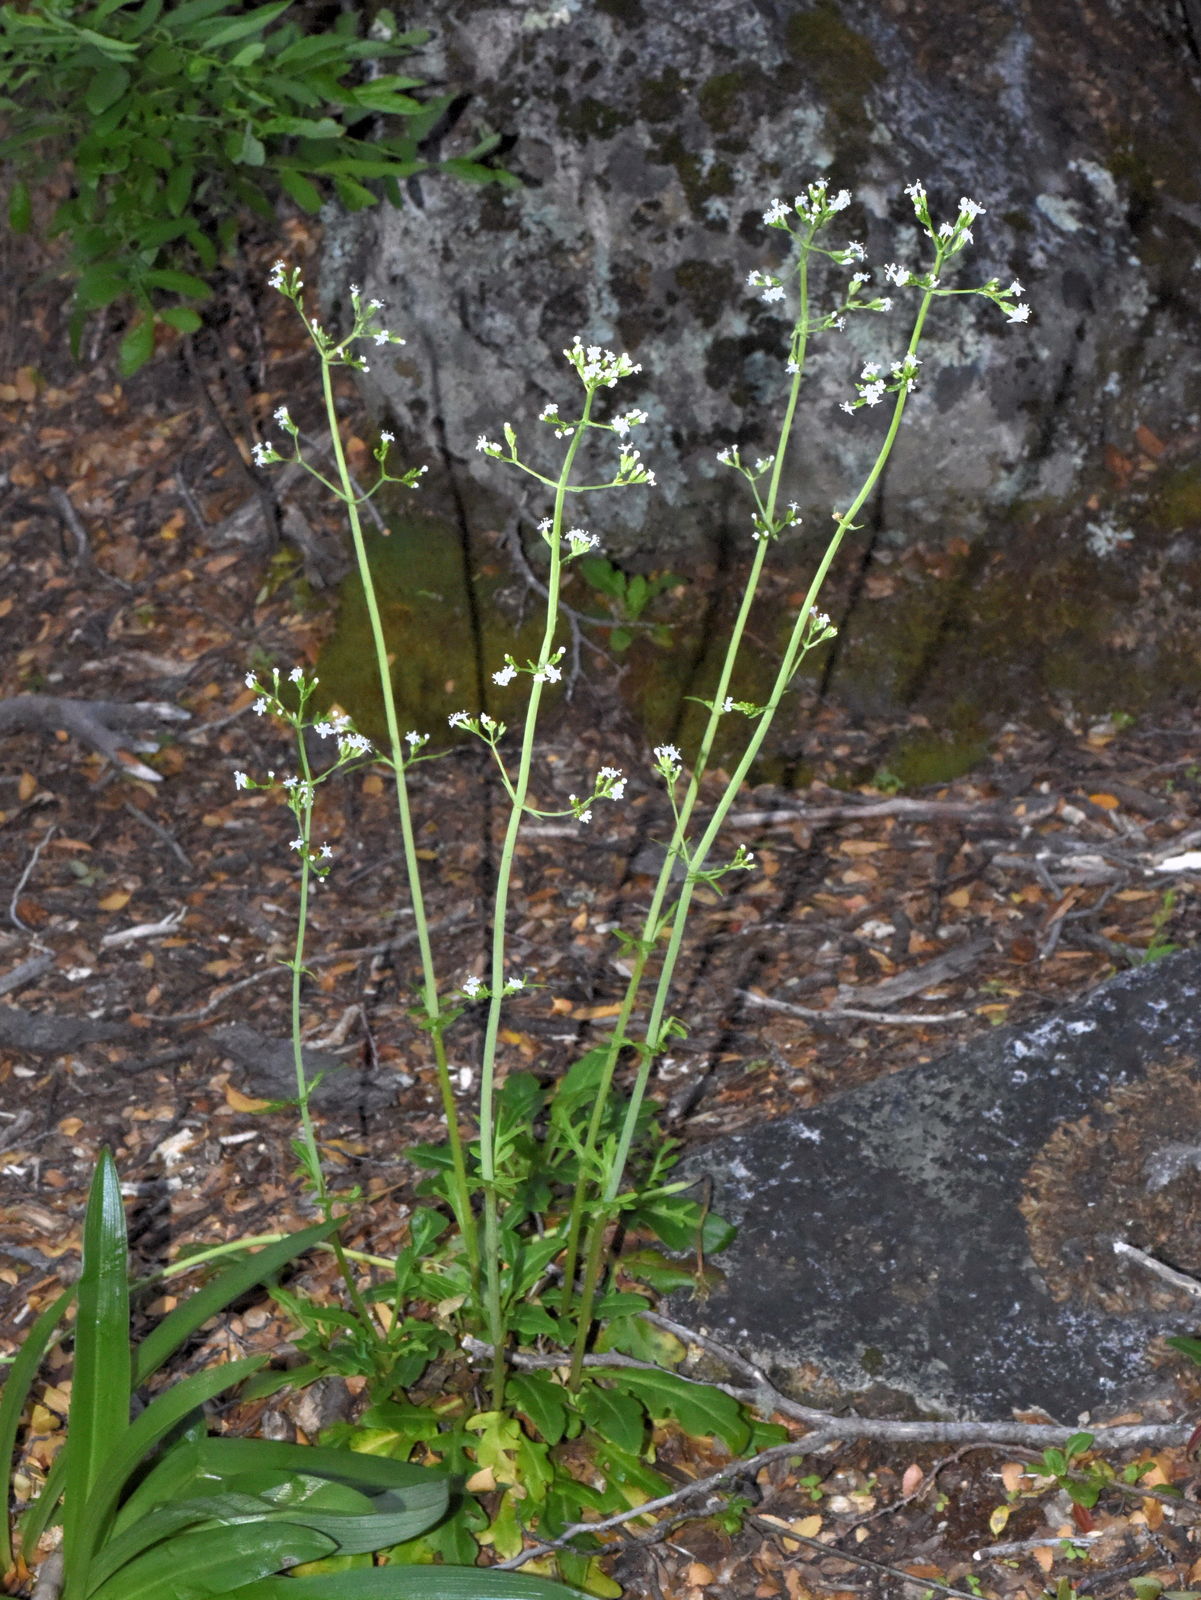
699, 1486
1178, 1280
25, 972
855, 1559
1017, 1547
144, 930
162, 833
851, 1013
24, 878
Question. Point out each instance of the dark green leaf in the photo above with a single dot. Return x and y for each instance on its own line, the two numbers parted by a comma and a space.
1187, 1347
135, 351
100, 1388
254, 22
682, 1224
543, 1401
700, 1409
193, 1566
185, 320
20, 209
17, 1385
179, 186
618, 1418
297, 187
177, 282
407, 1583
621, 639
108, 85
163, 1341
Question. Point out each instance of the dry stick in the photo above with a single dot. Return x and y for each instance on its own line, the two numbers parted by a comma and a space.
24, 878
839, 1554
162, 833
854, 1013
1178, 1280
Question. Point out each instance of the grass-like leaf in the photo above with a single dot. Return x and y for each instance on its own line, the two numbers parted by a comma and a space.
100, 1387
16, 1392
407, 1583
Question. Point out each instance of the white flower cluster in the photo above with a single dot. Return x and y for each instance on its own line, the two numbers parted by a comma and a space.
815, 207
668, 761
599, 368
872, 387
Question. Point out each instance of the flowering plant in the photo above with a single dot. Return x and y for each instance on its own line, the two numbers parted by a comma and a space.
538, 1186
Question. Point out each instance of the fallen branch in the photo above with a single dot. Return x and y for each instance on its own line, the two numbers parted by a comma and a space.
100, 724
851, 1013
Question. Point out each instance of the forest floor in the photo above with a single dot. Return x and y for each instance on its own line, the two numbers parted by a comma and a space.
140, 918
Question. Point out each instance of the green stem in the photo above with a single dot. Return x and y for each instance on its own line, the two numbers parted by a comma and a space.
459, 1182
520, 789
653, 921
794, 652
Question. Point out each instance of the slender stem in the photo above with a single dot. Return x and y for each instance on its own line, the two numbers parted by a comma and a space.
793, 654
504, 876
459, 1182
653, 921
314, 1164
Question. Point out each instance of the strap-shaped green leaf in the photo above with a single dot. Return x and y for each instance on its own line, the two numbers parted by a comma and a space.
16, 1392
100, 1386
194, 1565
407, 1583
139, 1438
163, 1341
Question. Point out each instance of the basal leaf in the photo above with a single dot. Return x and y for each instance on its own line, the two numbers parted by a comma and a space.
699, 1408
407, 1583
193, 1566
100, 1387
617, 1417
17, 1386
135, 351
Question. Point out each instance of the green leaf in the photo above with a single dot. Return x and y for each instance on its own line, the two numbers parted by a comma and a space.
179, 18
178, 190
107, 87
297, 187
182, 318
135, 351
163, 1413
682, 1224
543, 1401
100, 285
253, 22
1187, 1347
700, 1409
621, 639
193, 1566
100, 1388
20, 208
353, 195
17, 1385
407, 1583
224, 1457
179, 1325
177, 282
617, 1417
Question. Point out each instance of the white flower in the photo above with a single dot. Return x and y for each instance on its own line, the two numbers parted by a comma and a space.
417, 739
282, 417
260, 705
297, 844
840, 201
777, 212
1015, 288
251, 681
848, 406
354, 289
296, 674
873, 393
472, 987
513, 984
487, 446
971, 209
263, 454
896, 274
241, 781
506, 674
1018, 313
327, 853
459, 719
381, 337
548, 673
916, 191
776, 292
387, 438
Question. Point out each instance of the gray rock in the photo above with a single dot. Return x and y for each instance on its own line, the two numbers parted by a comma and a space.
946, 1233
649, 144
